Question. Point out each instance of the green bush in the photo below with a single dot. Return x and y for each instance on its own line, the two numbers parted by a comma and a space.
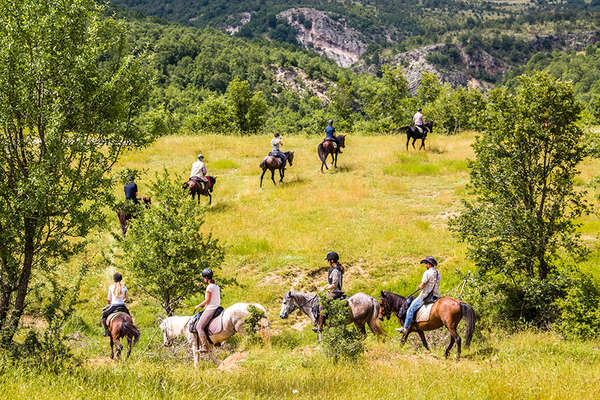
580, 310
340, 341
253, 325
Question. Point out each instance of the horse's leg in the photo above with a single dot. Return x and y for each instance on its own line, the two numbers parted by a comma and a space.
119, 347
413, 142
407, 140
130, 343
261, 176
423, 340
335, 161
112, 350
422, 144
273, 176
211, 355
195, 350
361, 328
449, 346
281, 173
209, 198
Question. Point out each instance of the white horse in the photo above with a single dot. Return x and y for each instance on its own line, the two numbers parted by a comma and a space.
230, 322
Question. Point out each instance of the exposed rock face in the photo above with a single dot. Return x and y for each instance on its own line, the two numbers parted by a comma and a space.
327, 35
237, 22
296, 80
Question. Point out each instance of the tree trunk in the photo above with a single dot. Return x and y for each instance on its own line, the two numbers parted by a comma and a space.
23, 287
543, 270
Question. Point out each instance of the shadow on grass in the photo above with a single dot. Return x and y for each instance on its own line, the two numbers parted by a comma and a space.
220, 206
294, 181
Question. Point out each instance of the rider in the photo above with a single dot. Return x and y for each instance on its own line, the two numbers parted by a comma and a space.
330, 134
131, 190
275, 143
211, 302
334, 284
418, 120
198, 172
117, 296
430, 288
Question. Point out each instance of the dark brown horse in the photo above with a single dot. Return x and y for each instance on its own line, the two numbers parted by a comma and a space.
198, 188
328, 147
445, 312
126, 216
121, 325
272, 163
412, 132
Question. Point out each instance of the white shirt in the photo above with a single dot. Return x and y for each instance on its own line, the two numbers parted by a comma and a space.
418, 118
275, 143
114, 300
431, 279
215, 294
198, 169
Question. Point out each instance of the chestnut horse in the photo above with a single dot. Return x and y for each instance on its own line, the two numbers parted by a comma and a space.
328, 147
412, 132
272, 163
201, 188
445, 312
124, 216
119, 326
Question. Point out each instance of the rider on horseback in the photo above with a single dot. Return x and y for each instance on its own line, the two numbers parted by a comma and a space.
131, 190
430, 290
330, 135
418, 120
275, 152
117, 296
334, 284
198, 172
211, 302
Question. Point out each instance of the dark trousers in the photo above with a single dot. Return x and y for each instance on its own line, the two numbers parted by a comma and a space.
110, 309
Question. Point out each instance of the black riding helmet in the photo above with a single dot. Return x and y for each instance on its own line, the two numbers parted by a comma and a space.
117, 277
429, 260
332, 255
207, 273
276, 135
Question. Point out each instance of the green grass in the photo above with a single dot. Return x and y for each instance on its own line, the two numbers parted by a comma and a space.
382, 210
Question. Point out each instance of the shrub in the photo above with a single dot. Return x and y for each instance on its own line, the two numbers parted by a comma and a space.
339, 339
580, 310
253, 325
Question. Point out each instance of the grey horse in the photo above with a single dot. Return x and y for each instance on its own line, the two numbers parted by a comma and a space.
364, 309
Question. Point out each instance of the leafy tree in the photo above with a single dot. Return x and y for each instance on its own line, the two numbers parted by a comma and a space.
69, 96
430, 88
339, 339
524, 208
248, 108
165, 249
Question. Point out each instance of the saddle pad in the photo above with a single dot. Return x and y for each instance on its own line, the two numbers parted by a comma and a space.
113, 316
423, 313
215, 326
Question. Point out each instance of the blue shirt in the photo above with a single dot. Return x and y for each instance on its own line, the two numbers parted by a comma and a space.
131, 191
329, 131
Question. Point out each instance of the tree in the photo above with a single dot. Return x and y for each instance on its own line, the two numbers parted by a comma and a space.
249, 108
165, 250
69, 96
524, 207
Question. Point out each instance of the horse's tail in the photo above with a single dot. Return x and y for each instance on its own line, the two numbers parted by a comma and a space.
469, 314
130, 330
374, 322
321, 152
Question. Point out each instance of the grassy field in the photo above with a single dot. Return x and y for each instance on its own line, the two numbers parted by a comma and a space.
382, 210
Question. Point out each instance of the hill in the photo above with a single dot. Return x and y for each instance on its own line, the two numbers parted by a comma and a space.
382, 210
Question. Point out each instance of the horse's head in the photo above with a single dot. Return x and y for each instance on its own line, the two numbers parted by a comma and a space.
290, 156
212, 181
429, 125
385, 309
167, 337
341, 140
147, 201
287, 305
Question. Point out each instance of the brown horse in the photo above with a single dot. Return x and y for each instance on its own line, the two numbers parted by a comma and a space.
200, 188
328, 147
126, 216
445, 312
272, 163
119, 326
412, 132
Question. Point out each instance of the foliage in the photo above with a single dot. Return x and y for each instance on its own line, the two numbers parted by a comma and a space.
580, 309
524, 208
248, 108
69, 96
165, 250
454, 110
340, 341
253, 325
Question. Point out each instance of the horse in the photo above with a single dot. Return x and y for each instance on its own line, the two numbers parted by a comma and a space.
121, 325
412, 132
125, 216
445, 312
200, 188
364, 309
272, 163
329, 147
230, 322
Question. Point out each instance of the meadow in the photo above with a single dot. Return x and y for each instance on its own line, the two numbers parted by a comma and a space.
382, 210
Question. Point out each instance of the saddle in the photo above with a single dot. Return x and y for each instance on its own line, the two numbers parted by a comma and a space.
211, 327
423, 312
332, 140
201, 181
113, 316
278, 155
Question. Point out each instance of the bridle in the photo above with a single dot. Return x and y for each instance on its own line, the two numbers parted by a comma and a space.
306, 302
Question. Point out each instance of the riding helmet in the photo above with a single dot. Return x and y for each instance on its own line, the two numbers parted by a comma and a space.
429, 260
117, 277
332, 255
200, 157
276, 135
207, 273
330, 122
419, 110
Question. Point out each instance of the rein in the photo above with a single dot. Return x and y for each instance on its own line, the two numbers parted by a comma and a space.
308, 301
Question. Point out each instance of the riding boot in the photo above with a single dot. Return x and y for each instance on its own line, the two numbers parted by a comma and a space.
106, 332
320, 323
203, 344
